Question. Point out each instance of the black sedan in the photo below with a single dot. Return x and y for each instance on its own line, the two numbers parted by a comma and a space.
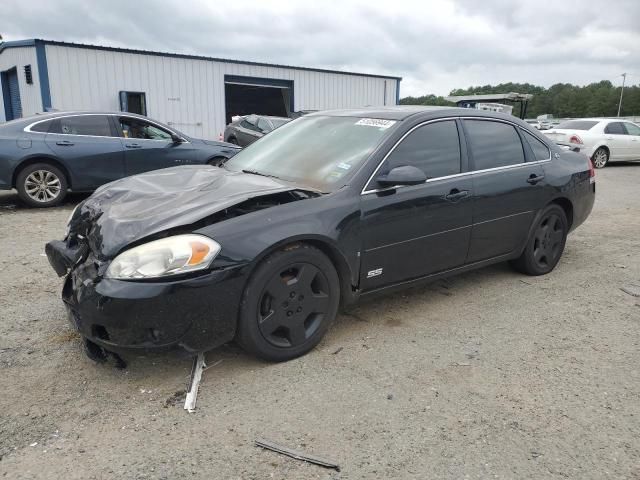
247, 129
328, 208
46, 155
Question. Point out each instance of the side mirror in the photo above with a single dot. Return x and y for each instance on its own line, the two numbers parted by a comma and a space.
175, 138
405, 175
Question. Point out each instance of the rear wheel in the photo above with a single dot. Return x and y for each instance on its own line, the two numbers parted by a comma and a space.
600, 157
545, 247
41, 185
288, 304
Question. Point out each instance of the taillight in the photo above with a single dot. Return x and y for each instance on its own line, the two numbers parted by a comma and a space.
575, 139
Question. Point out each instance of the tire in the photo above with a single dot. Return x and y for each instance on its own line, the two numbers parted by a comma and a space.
289, 302
41, 185
217, 161
600, 158
546, 244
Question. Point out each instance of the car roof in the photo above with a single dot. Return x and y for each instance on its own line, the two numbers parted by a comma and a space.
81, 112
402, 112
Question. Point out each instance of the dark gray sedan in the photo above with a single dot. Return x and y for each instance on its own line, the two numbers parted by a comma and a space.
47, 155
245, 130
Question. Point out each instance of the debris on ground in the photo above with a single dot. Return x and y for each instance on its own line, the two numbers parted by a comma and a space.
298, 455
631, 289
196, 375
337, 351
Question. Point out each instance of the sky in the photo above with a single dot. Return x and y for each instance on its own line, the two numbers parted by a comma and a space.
436, 46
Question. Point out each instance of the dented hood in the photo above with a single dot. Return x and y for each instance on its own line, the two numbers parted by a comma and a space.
135, 207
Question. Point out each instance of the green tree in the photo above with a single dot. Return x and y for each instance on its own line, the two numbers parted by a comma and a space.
561, 100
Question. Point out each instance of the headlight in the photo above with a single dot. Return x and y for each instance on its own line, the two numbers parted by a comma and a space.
168, 256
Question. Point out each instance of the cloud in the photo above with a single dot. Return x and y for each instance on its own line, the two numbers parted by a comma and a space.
436, 46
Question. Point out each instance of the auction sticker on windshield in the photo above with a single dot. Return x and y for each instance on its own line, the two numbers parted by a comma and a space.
376, 122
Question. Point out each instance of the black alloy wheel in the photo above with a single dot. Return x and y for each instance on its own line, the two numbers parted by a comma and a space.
290, 300
545, 247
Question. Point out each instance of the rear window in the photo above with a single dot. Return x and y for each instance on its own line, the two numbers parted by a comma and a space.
577, 125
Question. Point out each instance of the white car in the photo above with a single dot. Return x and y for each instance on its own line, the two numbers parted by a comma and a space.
603, 140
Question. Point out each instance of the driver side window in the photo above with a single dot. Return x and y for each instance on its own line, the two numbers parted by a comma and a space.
135, 128
433, 148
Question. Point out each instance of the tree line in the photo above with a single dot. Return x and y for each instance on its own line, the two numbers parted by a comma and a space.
561, 100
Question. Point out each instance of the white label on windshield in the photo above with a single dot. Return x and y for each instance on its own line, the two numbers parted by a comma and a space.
375, 122
344, 166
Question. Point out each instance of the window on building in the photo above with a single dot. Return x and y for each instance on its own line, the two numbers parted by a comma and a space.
133, 102
493, 144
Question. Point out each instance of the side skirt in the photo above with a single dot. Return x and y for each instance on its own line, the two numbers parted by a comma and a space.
437, 276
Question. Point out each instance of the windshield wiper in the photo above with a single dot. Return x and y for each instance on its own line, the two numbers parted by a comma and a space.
255, 172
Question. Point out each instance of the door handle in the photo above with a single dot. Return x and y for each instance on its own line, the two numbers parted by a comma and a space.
533, 178
64, 143
456, 194
133, 145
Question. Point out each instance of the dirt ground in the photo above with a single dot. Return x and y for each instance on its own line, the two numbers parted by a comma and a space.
490, 374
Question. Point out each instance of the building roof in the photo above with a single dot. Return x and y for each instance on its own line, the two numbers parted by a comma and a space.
32, 42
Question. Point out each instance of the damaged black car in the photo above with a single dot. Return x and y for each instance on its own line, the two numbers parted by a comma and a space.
327, 209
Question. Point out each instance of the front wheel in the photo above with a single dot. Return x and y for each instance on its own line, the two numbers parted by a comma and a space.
41, 185
545, 247
288, 304
600, 158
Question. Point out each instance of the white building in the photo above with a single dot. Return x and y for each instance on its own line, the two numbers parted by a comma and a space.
197, 95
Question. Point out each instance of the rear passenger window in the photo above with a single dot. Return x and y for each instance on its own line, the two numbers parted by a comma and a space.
433, 148
493, 144
93, 125
615, 128
540, 150
42, 127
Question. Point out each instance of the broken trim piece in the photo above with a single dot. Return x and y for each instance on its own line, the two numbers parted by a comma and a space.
298, 455
196, 376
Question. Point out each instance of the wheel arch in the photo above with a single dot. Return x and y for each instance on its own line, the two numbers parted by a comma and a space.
562, 202
326, 246
606, 147
40, 159
567, 206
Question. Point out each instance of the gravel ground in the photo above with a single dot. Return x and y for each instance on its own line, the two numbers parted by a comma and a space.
490, 374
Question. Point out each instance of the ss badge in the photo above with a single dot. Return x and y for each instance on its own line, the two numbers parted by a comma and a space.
374, 273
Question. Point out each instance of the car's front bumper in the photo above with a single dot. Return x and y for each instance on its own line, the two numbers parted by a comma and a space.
193, 314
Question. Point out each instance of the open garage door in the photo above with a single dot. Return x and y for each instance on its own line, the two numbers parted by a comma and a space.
262, 96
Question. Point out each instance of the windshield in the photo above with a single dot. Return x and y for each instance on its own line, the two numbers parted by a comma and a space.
577, 125
318, 151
